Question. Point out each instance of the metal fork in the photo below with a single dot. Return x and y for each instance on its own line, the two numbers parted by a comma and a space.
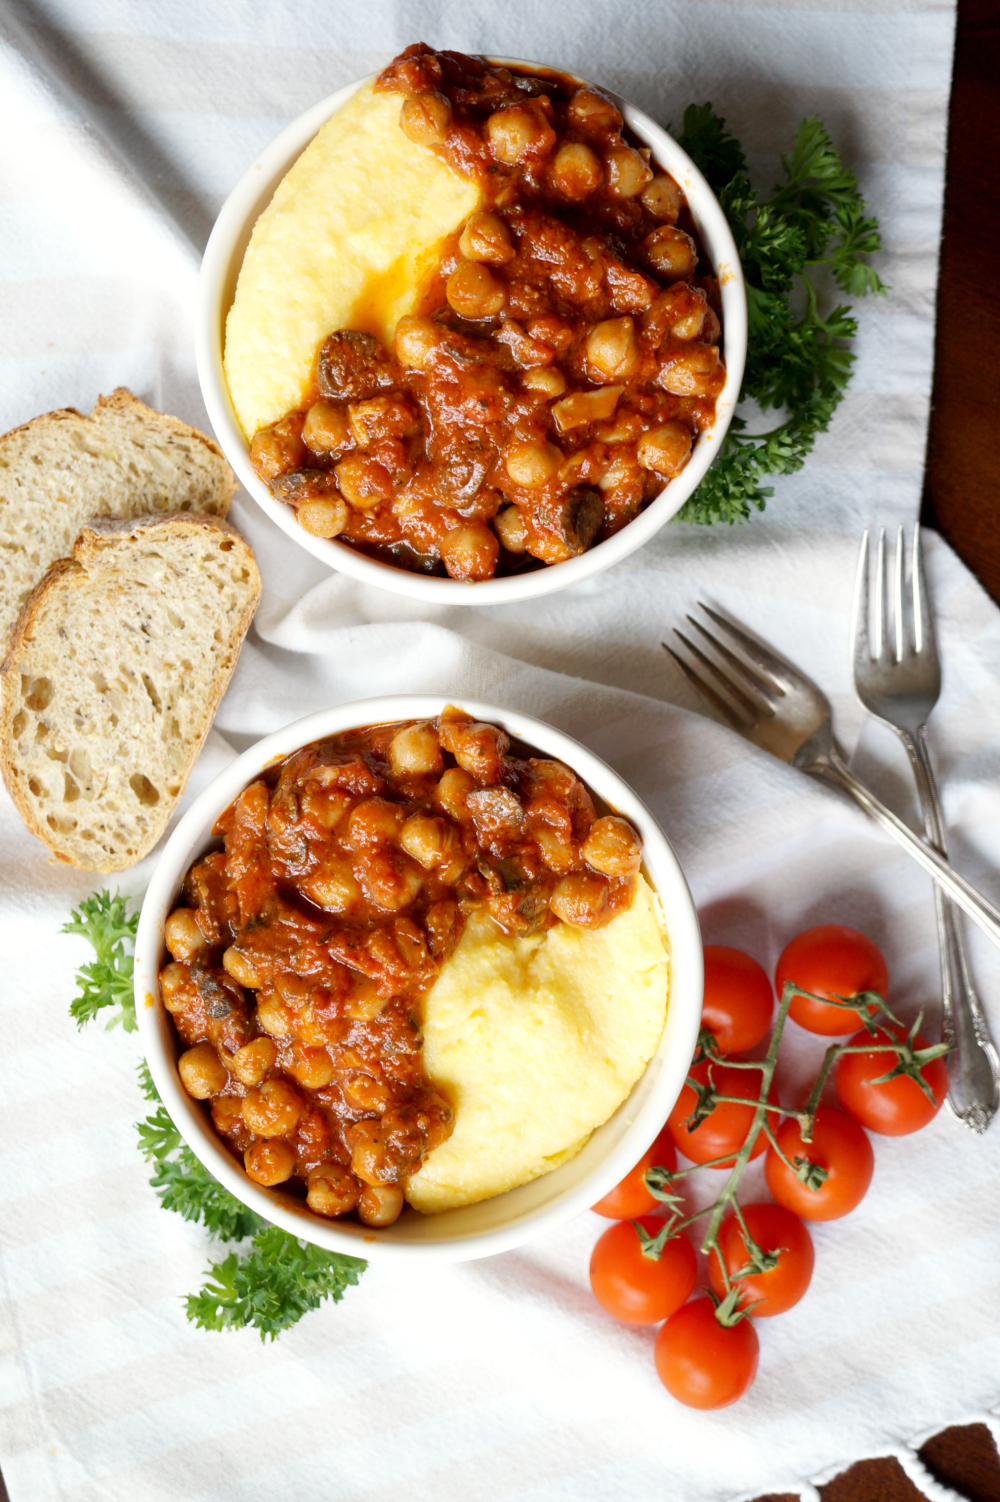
770, 702
897, 678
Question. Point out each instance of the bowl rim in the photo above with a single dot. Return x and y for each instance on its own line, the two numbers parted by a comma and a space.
216, 285
636, 1122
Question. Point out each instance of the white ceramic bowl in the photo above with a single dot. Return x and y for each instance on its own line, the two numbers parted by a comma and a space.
509, 1219
220, 270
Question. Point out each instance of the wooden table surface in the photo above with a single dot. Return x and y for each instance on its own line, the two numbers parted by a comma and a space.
962, 501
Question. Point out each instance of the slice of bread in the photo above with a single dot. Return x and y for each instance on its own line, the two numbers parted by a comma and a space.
61, 469
116, 668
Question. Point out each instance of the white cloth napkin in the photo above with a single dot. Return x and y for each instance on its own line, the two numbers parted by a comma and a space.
121, 130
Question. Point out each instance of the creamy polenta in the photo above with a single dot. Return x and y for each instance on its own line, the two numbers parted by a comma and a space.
349, 240
535, 1042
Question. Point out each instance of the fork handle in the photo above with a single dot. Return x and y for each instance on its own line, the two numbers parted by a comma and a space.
834, 769
973, 1065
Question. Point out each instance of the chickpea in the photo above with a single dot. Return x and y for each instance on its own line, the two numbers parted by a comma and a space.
593, 112
374, 821
512, 529
391, 882
692, 373
428, 840
613, 847
365, 1093
415, 752
327, 429
327, 516
326, 805
368, 1153
334, 887
665, 450
621, 468
544, 379
474, 292
581, 900
240, 967
332, 1190
557, 852
364, 1003
176, 987
612, 350
251, 1062
364, 482
416, 340
269, 1163
202, 1072
182, 935
486, 238
518, 131
663, 199
670, 252
425, 118
470, 551
452, 794
576, 171
272, 1109
312, 1067
533, 463
279, 449
380, 1204
227, 1117
628, 174
382, 417
272, 1016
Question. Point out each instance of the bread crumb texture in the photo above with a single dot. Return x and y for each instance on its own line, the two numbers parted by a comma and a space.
350, 240
535, 1042
62, 469
118, 663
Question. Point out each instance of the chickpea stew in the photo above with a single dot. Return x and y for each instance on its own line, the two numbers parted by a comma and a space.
302, 947
563, 362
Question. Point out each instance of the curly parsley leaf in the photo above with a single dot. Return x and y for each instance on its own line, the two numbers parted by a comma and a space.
799, 366
110, 930
272, 1286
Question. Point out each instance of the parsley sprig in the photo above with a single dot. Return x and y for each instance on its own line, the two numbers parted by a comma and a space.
814, 225
106, 981
269, 1279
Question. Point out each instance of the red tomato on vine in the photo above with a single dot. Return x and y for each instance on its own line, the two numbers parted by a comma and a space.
704, 1364
630, 1198
723, 1133
897, 1106
840, 1148
738, 999
635, 1288
830, 961
775, 1230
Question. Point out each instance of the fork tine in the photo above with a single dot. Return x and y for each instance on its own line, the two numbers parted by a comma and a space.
860, 645
707, 692
752, 685
743, 700
880, 643
773, 669
923, 621
898, 605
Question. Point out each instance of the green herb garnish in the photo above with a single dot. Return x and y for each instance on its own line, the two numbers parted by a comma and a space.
814, 225
268, 1282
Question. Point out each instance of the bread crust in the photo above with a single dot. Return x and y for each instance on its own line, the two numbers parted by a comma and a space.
104, 538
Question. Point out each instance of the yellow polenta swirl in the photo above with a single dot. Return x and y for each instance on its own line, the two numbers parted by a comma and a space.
535, 1042
349, 240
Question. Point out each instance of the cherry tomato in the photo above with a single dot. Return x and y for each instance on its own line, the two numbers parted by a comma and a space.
775, 1230
725, 1130
738, 999
630, 1199
702, 1363
636, 1289
832, 961
898, 1106
840, 1146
